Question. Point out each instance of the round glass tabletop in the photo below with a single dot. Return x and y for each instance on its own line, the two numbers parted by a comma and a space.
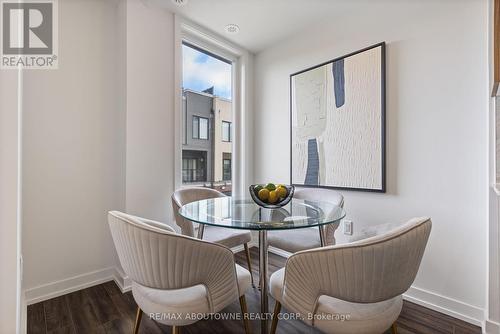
245, 214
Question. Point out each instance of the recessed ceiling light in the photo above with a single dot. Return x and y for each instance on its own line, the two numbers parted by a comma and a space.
180, 2
232, 28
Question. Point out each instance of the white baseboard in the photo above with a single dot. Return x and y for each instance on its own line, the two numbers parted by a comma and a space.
491, 327
122, 280
449, 306
433, 301
238, 249
62, 287
279, 252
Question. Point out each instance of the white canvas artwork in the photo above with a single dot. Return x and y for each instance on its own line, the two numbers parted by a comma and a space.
337, 129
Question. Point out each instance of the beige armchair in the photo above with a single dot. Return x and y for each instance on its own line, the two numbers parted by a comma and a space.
352, 288
224, 236
296, 240
176, 275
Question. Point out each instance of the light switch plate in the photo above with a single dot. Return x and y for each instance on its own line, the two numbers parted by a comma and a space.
347, 227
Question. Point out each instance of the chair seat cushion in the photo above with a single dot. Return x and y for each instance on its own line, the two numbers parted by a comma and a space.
175, 307
226, 236
172, 307
244, 279
340, 317
350, 318
276, 284
295, 240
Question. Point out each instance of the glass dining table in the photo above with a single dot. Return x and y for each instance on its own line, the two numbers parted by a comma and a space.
229, 212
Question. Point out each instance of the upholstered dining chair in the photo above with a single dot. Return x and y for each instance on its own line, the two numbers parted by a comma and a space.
354, 287
175, 276
224, 236
296, 240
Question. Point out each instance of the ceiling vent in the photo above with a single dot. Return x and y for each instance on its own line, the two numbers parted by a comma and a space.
232, 28
180, 2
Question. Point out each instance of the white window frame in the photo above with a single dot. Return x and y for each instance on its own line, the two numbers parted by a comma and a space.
241, 90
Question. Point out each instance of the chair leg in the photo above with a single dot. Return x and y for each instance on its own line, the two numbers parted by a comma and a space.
249, 262
138, 318
394, 329
244, 311
274, 324
176, 330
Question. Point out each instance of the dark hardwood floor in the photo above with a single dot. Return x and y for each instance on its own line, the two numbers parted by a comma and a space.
104, 309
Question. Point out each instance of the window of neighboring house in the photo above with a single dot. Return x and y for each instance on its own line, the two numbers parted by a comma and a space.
193, 169
226, 169
226, 131
226, 166
200, 127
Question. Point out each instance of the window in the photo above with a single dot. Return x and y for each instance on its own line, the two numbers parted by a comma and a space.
196, 127
193, 166
226, 131
200, 127
226, 169
204, 71
207, 115
203, 128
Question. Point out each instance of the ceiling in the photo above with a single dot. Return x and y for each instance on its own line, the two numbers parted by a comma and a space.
262, 22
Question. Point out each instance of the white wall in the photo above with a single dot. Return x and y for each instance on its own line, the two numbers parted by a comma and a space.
9, 191
98, 136
493, 315
74, 151
437, 120
150, 111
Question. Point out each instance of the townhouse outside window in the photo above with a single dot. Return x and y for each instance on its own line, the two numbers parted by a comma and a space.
194, 166
200, 127
226, 167
226, 131
207, 116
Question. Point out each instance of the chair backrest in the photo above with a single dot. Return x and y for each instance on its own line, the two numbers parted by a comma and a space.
153, 255
366, 271
187, 195
320, 195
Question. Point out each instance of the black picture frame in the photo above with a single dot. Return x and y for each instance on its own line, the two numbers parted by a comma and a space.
383, 188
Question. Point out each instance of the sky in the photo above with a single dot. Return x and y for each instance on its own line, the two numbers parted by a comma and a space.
201, 71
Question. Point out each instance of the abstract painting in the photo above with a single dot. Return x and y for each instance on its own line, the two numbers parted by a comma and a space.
338, 122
